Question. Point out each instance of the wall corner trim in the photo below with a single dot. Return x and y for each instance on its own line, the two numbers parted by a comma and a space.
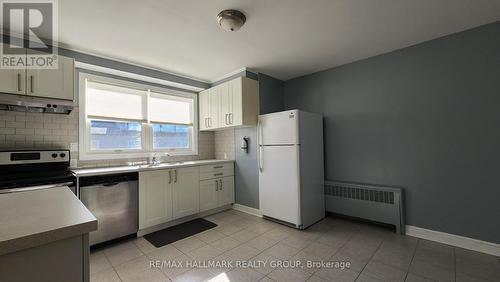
246, 209
454, 240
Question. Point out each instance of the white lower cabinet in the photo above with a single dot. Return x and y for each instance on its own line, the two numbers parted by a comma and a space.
168, 194
185, 193
216, 192
155, 197
208, 194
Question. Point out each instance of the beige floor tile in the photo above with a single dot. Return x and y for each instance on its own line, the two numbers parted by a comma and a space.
108, 275
277, 233
195, 275
384, 272
398, 260
320, 250
427, 269
289, 275
334, 274
410, 277
228, 229
178, 266
144, 245
242, 252
282, 251
98, 262
263, 227
479, 267
140, 269
365, 278
188, 244
309, 262
262, 243
210, 236
244, 275
167, 252
264, 263
297, 241
225, 244
123, 253
204, 253
315, 278
244, 235
356, 263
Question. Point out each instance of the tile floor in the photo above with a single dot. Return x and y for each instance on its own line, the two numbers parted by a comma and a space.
374, 254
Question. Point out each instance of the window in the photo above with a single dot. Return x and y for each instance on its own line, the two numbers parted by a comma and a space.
121, 119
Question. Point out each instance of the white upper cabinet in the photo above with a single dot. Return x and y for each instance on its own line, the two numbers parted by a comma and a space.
233, 103
48, 83
52, 83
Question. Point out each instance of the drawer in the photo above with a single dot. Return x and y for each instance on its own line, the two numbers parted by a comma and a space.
216, 171
216, 167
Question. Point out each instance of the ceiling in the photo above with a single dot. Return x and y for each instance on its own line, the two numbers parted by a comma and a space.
282, 38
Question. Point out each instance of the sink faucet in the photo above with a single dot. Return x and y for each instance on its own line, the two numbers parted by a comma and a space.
156, 159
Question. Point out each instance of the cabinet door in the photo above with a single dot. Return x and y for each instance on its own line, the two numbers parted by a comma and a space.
236, 92
225, 194
52, 83
186, 191
204, 100
208, 194
13, 81
213, 121
155, 197
226, 102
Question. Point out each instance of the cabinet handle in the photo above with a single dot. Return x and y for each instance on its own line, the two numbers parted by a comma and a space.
31, 83
220, 181
169, 176
225, 119
219, 166
216, 185
218, 174
206, 122
209, 122
175, 174
18, 81
230, 118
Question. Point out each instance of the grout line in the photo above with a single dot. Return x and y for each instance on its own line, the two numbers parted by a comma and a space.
371, 257
412, 257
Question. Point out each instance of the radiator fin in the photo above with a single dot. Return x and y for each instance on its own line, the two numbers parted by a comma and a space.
344, 191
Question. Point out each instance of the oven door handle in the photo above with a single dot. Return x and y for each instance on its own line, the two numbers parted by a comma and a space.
31, 188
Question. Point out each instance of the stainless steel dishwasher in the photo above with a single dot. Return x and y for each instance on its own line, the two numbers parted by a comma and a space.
113, 199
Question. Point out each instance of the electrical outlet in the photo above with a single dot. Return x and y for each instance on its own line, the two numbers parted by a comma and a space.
73, 147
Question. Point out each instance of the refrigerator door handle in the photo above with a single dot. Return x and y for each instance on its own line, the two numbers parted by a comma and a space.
260, 157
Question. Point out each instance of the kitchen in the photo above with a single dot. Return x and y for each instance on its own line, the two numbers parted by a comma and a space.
121, 165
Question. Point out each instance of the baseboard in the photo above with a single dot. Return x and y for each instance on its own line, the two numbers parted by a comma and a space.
454, 240
246, 209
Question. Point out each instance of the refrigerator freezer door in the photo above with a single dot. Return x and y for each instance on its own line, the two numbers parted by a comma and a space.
279, 128
279, 182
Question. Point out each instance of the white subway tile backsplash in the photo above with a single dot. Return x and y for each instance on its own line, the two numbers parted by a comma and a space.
52, 131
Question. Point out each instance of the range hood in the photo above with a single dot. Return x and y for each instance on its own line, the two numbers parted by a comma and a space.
23, 103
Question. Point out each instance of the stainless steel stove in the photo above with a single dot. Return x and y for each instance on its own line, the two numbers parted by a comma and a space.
23, 170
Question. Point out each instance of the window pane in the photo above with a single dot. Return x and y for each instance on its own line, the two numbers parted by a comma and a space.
105, 100
168, 109
171, 136
109, 135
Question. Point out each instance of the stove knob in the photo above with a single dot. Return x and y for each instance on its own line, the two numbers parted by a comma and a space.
62, 155
54, 155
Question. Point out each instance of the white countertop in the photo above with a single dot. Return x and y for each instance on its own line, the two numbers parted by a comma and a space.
80, 172
37, 217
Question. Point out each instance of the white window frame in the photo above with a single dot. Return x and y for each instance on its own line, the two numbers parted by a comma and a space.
85, 153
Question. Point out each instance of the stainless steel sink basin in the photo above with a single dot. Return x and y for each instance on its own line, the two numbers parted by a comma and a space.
163, 164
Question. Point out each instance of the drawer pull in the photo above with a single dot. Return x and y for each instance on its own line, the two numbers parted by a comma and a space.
219, 166
218, 174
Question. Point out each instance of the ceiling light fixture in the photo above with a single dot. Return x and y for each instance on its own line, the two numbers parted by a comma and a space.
231, 20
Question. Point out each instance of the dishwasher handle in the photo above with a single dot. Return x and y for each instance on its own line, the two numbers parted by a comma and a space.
110, 184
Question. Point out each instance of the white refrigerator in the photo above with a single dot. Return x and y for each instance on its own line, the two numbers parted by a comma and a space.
291, 169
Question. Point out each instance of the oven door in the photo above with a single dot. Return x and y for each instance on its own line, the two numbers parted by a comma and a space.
69, 184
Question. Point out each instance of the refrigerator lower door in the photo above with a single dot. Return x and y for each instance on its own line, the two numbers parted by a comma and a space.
279, 183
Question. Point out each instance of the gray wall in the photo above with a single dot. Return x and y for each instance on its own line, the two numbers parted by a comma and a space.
247, 174
426, 118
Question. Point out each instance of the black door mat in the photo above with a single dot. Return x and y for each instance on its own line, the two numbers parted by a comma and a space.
175, 233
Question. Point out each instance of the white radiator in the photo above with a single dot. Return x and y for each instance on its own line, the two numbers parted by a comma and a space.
372, 202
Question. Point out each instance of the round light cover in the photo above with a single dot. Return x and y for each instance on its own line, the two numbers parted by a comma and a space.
231, 20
